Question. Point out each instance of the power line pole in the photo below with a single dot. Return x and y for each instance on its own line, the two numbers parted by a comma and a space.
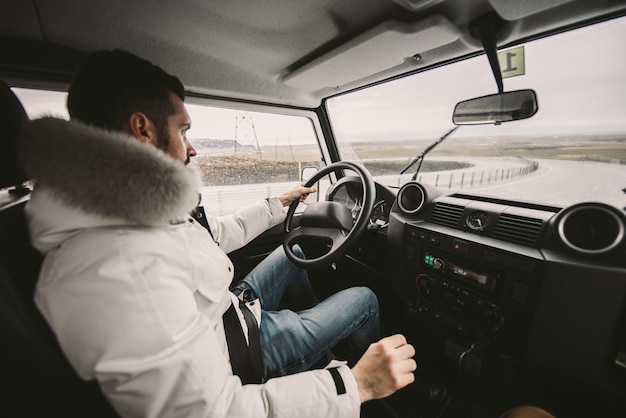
245, 133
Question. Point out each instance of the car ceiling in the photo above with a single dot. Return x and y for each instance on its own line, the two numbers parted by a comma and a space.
277, 51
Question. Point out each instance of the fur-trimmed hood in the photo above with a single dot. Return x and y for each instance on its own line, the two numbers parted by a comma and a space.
105, 174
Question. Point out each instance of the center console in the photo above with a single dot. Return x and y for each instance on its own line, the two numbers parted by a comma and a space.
468, 291
501, 310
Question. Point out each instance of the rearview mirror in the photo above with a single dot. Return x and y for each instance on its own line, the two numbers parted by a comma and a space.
496, 108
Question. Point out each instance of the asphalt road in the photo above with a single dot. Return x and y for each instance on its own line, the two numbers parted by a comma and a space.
563, 183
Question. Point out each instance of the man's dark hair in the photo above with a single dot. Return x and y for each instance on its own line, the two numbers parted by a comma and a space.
109, 86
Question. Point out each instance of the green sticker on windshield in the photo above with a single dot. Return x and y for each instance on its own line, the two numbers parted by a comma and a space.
512, 62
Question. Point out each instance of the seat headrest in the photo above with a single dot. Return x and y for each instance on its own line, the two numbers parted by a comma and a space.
12, 117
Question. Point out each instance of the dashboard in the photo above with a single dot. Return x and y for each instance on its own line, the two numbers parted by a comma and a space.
535, 286
502, 284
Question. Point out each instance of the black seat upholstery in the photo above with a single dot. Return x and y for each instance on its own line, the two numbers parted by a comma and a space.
37, 378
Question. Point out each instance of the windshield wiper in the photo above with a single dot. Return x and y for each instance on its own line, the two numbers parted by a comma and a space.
420, 157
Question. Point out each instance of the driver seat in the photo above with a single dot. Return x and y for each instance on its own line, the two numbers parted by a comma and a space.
39, 381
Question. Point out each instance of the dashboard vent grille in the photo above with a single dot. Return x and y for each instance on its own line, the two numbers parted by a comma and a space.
446, 214
518, 229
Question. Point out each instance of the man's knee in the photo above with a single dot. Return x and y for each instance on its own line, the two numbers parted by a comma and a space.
366, 297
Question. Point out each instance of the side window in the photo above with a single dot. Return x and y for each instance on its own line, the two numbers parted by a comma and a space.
244, 156
39, 103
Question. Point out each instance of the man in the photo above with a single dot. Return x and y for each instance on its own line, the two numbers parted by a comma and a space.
138, 294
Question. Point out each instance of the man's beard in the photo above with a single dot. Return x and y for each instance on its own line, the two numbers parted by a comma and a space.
164, 141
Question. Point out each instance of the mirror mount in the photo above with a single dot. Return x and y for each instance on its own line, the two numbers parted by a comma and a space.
487, 28
499, 107
307, 172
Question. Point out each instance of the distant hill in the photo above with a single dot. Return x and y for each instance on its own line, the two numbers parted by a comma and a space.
215, 143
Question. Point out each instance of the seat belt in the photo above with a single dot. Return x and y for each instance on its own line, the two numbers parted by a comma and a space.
245, 359
200, 216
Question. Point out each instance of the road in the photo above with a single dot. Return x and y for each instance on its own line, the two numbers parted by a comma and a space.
562, 182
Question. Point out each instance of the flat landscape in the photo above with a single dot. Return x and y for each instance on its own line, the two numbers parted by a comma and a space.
223, 163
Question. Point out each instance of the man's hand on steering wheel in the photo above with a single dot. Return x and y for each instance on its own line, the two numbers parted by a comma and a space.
298, 193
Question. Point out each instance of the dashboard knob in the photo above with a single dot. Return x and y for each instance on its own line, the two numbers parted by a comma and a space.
490, 315
424, 283
438, 263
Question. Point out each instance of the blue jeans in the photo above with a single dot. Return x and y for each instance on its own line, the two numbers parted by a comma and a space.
293, 341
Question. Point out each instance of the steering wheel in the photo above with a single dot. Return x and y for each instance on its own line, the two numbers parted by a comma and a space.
331, 222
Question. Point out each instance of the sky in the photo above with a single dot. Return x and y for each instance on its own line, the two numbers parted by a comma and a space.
560, 69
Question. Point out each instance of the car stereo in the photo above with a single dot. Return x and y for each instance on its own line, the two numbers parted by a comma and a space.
478, 278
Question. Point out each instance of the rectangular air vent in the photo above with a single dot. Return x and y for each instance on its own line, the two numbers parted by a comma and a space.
518, 229
446, 214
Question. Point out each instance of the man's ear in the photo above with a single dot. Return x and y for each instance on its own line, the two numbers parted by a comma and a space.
139, 126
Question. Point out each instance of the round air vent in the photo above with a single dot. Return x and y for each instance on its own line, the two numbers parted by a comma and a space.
591, 228
411, 197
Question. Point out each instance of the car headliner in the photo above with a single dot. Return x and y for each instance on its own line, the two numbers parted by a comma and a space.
279, 51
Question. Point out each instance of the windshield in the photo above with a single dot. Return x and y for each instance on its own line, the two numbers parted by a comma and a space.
572, 150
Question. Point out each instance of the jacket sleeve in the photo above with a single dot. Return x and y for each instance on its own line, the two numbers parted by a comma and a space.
233, 231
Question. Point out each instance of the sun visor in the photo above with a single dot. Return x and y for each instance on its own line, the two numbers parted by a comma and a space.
515, 10
380, 48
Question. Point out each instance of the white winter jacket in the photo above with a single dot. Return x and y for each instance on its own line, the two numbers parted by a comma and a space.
135, 290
